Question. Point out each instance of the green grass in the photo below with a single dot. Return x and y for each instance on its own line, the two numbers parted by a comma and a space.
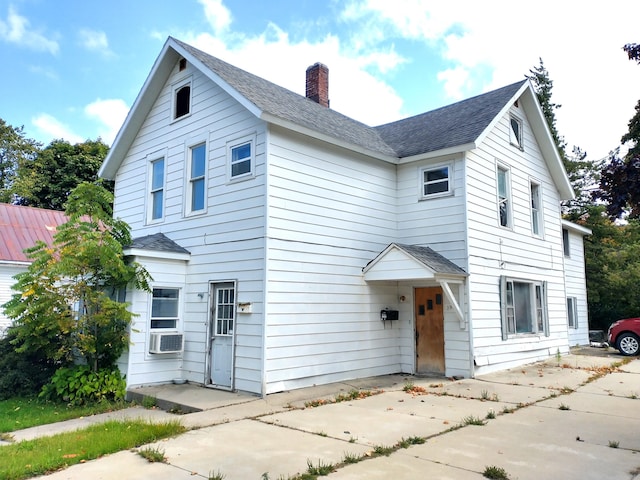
19, 413
30, 458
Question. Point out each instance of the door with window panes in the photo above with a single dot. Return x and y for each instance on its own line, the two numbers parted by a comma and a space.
221, 328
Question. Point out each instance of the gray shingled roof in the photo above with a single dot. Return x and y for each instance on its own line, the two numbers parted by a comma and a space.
454, 125
450, 126
158, 242
285, 104
431, 259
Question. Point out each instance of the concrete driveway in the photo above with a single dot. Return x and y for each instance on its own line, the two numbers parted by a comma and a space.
572, 419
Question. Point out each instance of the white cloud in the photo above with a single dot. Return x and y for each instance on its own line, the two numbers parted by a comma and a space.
110, 114
96, 41
16, 30
52, 128
218, 16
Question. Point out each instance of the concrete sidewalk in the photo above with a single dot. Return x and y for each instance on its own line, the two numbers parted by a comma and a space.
552, 420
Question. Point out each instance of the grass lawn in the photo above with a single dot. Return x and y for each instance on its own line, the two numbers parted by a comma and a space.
19, 413
47, 454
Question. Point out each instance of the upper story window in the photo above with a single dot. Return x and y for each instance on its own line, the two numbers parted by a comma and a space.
565, 243
165, 308
182, 99
536, 209
435, 181
156, 190
504, 197
515, 132
241, 158
524, 307
197, 178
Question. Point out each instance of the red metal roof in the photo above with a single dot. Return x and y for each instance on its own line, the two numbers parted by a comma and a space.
21, 227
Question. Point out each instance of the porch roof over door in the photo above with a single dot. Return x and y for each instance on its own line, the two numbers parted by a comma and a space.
410, 262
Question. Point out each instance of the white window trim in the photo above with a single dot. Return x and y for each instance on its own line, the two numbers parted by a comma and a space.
574, 304
151, 159
516, 140
179, 320
421, 183
540, 210
506, 335
509, 225
195, 142
174, 91
238, 142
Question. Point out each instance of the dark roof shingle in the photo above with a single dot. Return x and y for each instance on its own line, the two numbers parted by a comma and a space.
157, 242
431, 259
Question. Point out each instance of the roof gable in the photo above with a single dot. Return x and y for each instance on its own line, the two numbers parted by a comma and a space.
21, 227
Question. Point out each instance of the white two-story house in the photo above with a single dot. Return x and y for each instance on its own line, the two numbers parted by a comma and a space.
290, 245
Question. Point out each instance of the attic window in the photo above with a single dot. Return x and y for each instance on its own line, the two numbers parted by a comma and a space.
515, 132
183, 64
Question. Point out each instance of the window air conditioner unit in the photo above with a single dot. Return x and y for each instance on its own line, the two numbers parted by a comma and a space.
166, 342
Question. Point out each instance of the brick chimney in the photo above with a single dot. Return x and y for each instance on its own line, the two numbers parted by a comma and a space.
318, 84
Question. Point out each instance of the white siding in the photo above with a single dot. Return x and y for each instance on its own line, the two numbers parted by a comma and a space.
227, 241
576, 286
7, 272
495, 251
329, 214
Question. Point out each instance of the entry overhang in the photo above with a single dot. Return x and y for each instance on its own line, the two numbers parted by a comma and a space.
400, 262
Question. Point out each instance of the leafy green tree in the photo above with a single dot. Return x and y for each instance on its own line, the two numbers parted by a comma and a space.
46, 180
620, 180
66, 304
612, 255
15, 149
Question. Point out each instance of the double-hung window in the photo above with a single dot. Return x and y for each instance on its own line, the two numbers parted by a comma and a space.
197, 172
165, 307
565, 243
241, 158
156, 192
572, 312
536, 210
524, 307
504, 197
435, 181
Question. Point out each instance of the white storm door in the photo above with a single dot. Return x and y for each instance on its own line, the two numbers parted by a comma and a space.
222, 327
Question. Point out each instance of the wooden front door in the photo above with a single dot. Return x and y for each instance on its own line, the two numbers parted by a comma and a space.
429, 330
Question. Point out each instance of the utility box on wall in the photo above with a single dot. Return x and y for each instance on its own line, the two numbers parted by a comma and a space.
387, 314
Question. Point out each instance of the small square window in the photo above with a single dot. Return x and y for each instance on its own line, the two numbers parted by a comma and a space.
515, 132
241, 157
435, 181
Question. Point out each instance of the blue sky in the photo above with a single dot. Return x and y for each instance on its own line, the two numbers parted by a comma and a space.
72, 68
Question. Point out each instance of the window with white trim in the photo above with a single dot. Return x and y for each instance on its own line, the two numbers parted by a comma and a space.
181, 99
165, 308
536, 210
435, 181
565, 243
515, 132
572, 312
196, 189
156, 189
504, 197
524, 307
241, 157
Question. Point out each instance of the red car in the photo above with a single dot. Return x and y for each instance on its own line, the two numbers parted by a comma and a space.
625, 336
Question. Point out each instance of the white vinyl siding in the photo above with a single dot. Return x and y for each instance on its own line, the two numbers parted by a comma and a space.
576, 287
7, 272
227, 242
495, 252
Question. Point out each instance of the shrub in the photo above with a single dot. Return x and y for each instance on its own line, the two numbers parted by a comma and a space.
22, 374
80, 385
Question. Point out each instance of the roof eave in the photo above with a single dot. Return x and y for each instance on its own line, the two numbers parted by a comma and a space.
309, 132
576, 228
439, 153
162, 254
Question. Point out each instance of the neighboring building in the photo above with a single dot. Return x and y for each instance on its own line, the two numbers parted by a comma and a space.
21, 228
290, 245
